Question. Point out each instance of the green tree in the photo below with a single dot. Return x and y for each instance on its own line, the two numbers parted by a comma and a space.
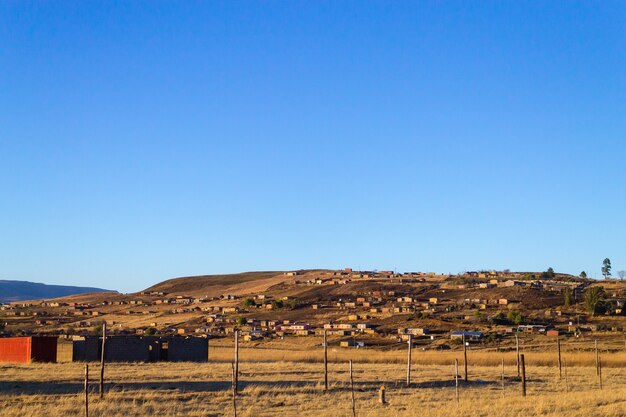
606, 268
594, 299
249, 302
515, 317
420, 315
479, 315
150, 331
241, 321
568, 297
583, 275
277, 304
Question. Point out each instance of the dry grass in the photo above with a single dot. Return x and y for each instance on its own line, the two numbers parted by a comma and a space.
294, 389
480, 358
575, 354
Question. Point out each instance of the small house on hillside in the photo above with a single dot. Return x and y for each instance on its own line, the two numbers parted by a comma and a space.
468, 336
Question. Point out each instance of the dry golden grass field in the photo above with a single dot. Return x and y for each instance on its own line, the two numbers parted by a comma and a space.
539, 352
270, 385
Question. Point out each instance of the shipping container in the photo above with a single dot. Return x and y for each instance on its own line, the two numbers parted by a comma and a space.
28, 349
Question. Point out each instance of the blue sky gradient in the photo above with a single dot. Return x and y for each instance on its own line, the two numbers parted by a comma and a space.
141, 141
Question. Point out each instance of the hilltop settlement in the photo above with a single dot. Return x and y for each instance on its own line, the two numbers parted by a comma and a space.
356, 309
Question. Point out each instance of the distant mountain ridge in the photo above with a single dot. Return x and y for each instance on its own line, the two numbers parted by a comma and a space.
25, 290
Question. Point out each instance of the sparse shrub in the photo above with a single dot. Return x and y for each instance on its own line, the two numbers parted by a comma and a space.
491, 337
292, 304
515, 317
421, 315
568, 297
499, 318
97, 331
594, 300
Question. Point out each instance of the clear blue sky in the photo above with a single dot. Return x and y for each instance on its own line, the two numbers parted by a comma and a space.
146, 140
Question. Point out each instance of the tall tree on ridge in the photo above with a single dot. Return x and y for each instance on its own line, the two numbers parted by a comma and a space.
606, 268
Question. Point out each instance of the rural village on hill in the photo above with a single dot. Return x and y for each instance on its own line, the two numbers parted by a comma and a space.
312, 208
354, 309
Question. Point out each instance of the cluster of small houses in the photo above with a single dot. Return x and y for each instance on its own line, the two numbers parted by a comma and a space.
266, 328
348, 275
173, 348
557, 286
497, 278
219, 320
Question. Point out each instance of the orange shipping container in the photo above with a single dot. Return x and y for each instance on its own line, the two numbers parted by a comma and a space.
28, 349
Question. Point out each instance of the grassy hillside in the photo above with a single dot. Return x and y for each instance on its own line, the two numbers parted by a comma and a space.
208, 284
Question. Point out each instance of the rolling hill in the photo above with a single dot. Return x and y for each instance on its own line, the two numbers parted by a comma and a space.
237, 284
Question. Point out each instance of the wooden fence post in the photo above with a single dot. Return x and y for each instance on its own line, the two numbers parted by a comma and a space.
352, 390
566, 380
325, 362
503, 375
408, 365
456, 378
600, 371
104, 338
523, 366
517, 350
597, 359
236, 365
465, 356
86, 390
558, 347
381, 395
234, 387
